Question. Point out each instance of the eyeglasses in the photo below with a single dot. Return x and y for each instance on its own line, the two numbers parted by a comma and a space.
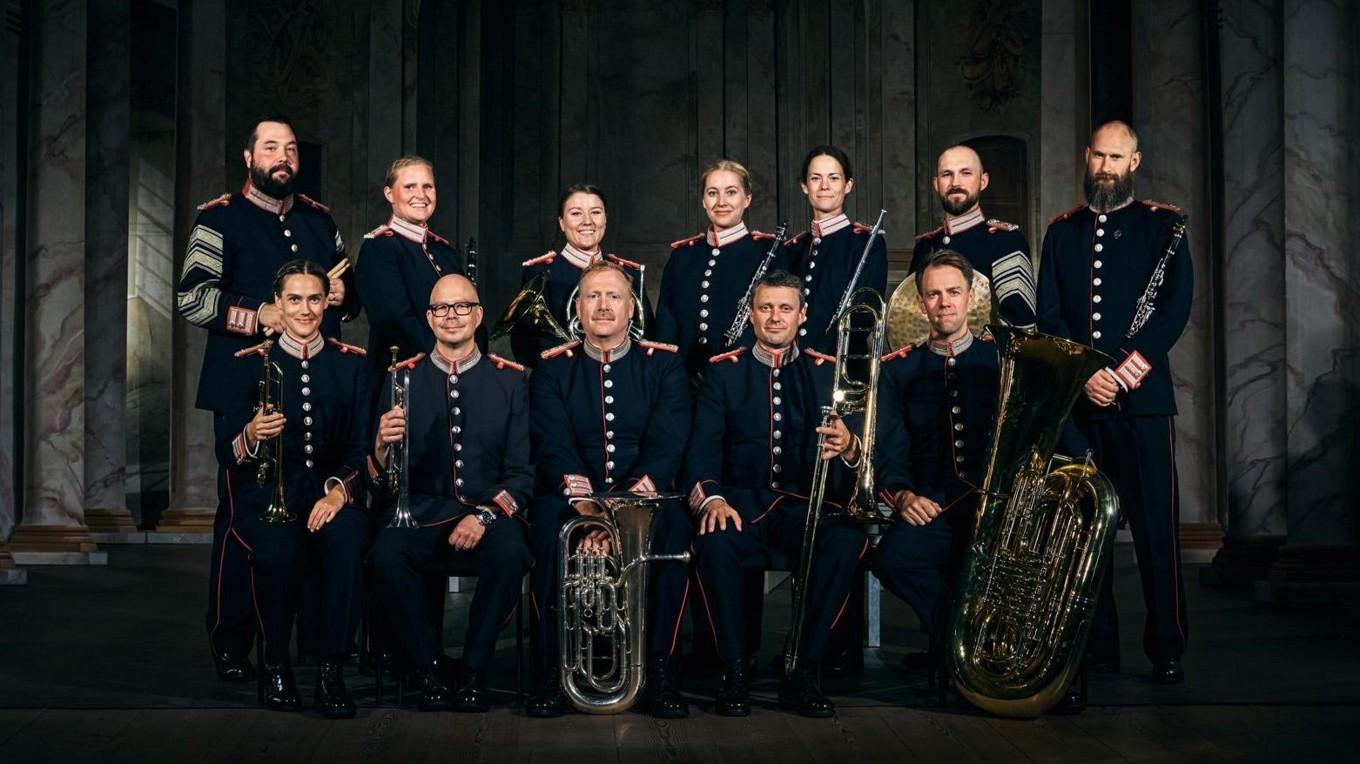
441, 309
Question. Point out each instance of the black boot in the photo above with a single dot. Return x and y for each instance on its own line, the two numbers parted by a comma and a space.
280, 690
734, 698
1072, 702
332, 699
436, 693
472, 694
233, 666
548, 700
800, 692
1168, 672
665, 700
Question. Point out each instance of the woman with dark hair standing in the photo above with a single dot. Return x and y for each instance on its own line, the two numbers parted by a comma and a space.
708, 273
826, 255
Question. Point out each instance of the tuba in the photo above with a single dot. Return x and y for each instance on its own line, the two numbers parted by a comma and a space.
530, 307
1040, 540
603, 602
398, 472
271, 462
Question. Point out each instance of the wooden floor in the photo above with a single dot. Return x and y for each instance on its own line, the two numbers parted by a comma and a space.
109, 665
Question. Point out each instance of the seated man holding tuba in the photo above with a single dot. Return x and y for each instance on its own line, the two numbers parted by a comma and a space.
456, 506
292, 440
751, 458
609, 414
937, 401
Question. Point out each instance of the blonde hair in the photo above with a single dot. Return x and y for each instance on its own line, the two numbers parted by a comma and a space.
403, 163
733, 167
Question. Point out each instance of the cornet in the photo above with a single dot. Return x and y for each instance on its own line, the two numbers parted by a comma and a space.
271, 461
397, 472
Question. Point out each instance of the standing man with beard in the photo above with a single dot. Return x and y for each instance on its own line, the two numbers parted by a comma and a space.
997, 250
238, 243
1097, 262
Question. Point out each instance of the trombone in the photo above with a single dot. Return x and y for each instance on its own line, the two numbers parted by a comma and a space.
271, 461
398, 472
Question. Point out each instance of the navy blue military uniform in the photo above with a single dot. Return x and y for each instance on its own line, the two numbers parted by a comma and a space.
325, 397
610, 420
469, 438
397, 268
995, 249
705, 277
936, 409
1094, 268
825, 257
238, 243
564, 274
754, 445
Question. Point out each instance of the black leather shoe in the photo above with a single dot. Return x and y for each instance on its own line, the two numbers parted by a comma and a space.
1072, 702
332, 699
665, 700
472, 694
734, 697
233, 666
436, 692
280, 690
801, 693
548, 700
1168, 672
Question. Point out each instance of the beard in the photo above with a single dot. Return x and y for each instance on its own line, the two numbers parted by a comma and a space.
1104, 191
264, 181
954, 208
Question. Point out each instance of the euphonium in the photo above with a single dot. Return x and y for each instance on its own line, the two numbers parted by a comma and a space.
603, 602
397, 456
271, 461
1038, 549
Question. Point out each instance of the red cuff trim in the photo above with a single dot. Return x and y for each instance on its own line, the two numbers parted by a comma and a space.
1132, 371
241, 320
506, 502
575, 486
374, 471
697, 495
644, 485
347, 483
238, 448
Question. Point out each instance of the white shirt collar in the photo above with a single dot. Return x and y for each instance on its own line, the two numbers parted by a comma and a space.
577, 257
824, 228
408, 230
726, 236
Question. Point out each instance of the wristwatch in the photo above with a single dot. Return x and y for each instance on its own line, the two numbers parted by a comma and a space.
486, 517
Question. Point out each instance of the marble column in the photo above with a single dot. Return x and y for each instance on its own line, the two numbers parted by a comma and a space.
1063, 116
9, 264
53, 525
106, 273
1322, 351
1254, 313
200, 174
1169, 118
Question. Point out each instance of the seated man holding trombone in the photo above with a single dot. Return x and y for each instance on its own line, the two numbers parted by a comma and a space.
292, 448
452, 455
753, 470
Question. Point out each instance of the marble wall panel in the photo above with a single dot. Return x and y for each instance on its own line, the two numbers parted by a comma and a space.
55, 395
9, 95
106, 255
1322, 301
1168, 104
1252, 99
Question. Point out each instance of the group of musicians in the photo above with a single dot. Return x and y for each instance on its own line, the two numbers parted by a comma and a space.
720, 399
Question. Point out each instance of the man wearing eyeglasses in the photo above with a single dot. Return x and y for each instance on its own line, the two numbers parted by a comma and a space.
609, 414
469, 478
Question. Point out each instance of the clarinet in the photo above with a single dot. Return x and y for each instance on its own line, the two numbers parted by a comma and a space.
1142, 310
859, 269
472, 260
744, 305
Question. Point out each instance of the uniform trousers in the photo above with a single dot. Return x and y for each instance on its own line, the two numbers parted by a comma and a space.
1138, 454
667, 582
403, 561
721, 555
920, 564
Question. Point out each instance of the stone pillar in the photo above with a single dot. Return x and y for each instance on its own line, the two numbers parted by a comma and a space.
1064, 117
1254, 313
1321, 349
53, 528
200, 175
106, 274
1169, 118
10, 119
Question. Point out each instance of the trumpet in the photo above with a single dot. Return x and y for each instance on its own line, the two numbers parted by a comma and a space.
398, 472
271, 462
604, 598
